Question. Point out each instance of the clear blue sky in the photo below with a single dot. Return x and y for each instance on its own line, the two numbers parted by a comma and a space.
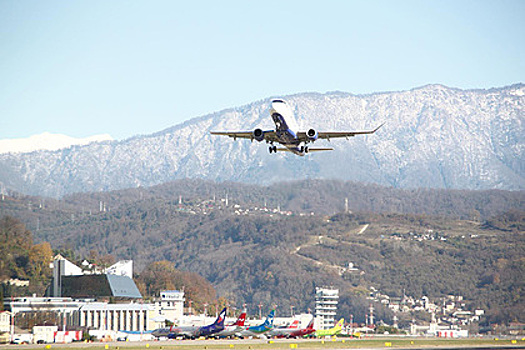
136, 67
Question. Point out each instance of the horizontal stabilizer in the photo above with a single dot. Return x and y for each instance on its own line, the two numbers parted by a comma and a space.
311, 149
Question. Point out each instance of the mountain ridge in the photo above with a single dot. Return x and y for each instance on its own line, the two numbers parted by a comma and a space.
434, 136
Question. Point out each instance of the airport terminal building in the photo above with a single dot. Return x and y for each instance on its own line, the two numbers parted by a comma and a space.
105, 300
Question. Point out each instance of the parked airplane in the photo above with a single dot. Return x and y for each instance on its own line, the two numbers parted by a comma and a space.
303, 331
286, 133
332, 331
284, 332
234, 329
258, 331
192, 332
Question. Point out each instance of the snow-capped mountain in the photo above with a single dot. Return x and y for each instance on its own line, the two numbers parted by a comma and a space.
47, 141
434, 136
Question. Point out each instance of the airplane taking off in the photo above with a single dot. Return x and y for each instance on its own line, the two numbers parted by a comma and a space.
258, 331
332, 331
192, 332
286, 133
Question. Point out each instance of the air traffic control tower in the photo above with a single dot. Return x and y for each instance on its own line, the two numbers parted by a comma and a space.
326, 300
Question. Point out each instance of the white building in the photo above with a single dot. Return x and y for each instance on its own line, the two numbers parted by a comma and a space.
114, 317
121, 268
133, 316
170, 306
326, 300
5, 322
103, 316
62, 267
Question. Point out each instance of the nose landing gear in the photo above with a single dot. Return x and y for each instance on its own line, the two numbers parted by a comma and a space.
272, 149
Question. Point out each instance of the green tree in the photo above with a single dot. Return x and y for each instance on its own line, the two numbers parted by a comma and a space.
15, 243
162, 275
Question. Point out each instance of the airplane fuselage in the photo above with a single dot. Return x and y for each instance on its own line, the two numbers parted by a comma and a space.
285, 128
192, 331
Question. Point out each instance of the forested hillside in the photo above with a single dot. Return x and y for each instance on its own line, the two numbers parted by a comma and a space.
275, 254
21, 259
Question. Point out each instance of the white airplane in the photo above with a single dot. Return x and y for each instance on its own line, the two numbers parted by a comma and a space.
286, 133
283, 332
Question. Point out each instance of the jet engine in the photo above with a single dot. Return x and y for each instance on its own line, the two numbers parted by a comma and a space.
312, 134
258, 134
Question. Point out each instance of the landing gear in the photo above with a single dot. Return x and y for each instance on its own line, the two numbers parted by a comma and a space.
304, 149
272, 149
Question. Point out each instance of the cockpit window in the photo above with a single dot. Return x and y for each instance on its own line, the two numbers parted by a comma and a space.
281, 101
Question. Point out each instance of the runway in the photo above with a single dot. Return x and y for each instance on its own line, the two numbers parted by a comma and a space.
281, 344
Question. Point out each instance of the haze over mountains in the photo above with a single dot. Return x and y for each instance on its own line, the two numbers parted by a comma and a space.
434, 136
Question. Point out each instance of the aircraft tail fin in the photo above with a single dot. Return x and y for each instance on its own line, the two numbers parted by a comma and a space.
311, 324
220, 319
269, 319
340, 324
240, 320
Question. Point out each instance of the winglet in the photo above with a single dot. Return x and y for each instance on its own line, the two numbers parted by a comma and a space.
378, 128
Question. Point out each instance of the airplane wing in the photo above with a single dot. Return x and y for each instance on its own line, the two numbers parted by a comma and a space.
268, 135
337, 134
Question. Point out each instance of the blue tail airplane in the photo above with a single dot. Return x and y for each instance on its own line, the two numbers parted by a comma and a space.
192, 332
258, 331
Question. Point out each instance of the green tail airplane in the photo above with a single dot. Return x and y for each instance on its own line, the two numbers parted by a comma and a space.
332, 331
